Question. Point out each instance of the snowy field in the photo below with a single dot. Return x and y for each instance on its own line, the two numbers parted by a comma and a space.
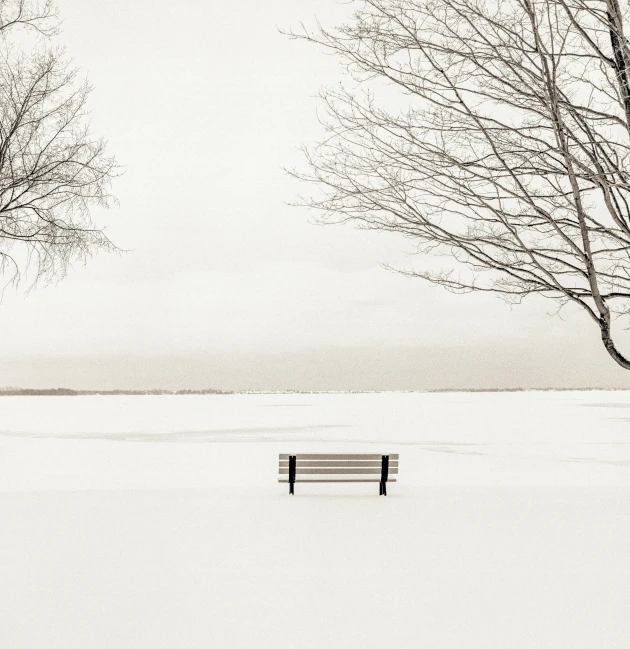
158, 523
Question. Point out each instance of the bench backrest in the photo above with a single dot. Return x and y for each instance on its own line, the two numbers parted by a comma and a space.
337, 467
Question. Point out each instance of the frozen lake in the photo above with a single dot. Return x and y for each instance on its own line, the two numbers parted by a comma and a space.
157, 522
108, 442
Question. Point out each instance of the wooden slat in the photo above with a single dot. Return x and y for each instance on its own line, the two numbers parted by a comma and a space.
337, 480
331, 471
331, 463
339, 456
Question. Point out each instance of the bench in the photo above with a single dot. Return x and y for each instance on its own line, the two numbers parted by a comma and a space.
338, 467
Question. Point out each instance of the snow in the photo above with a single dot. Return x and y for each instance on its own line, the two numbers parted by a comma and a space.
157, 522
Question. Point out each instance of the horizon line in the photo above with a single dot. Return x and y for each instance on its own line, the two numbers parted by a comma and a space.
16, 392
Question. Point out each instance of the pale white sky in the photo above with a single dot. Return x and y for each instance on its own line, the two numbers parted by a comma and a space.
225, 285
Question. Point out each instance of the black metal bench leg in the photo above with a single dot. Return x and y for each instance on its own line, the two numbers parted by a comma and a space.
292, 464
384, 474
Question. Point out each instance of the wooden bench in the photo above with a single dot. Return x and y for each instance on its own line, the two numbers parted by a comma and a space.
338, 467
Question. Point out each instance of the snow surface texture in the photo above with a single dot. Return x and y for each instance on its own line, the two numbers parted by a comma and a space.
157, 522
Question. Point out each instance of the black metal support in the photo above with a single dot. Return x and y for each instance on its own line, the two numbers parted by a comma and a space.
384, 473
291, 474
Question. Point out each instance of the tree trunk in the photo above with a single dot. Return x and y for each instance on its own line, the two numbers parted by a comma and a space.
609, 344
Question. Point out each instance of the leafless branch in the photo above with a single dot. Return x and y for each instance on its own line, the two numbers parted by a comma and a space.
508, 153
52, 170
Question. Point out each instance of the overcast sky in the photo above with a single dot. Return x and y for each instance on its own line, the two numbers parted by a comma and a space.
224, 284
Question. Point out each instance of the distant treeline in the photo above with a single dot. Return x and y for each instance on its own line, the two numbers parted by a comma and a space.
66, 392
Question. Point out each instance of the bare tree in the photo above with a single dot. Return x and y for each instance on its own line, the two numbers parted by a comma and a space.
510, 152
52, 171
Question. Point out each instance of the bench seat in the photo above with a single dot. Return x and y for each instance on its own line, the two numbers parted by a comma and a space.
338, 467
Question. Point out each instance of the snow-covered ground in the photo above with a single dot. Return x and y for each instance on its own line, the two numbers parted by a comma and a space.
157, 522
